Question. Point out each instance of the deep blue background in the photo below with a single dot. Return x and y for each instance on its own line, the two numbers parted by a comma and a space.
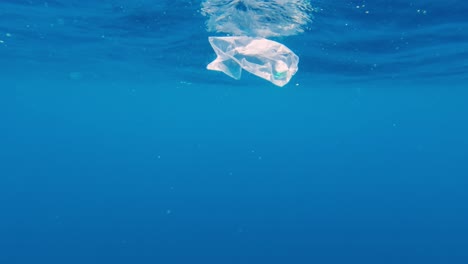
117, 146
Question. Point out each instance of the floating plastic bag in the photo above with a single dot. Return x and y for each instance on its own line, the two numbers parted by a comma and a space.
265, 58
249, 22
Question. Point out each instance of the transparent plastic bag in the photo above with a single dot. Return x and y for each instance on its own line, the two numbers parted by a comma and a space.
264, 58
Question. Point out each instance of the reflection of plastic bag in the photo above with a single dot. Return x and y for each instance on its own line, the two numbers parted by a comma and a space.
259, 18
265, 58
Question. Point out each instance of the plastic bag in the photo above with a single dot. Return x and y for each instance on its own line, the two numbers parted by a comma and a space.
264, 58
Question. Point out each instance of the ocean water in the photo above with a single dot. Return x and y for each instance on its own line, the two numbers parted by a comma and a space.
118, 146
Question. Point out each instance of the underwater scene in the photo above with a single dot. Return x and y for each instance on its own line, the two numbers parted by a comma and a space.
233, 131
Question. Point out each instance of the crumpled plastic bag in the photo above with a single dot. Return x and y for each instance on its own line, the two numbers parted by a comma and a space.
264, 58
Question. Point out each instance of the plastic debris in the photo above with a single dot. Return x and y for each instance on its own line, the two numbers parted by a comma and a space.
264, 58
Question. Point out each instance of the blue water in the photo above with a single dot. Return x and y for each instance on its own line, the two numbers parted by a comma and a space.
118, 146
